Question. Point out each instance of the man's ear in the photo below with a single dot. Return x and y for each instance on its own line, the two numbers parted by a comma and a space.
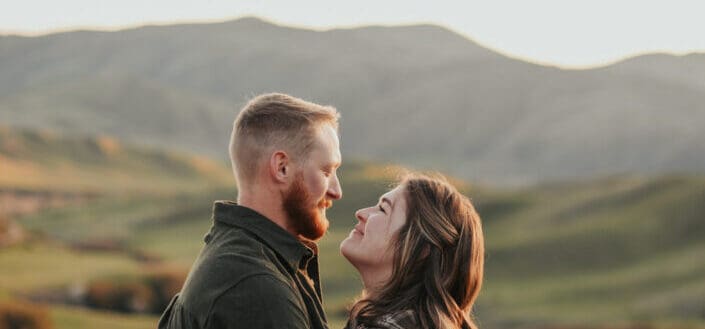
280, 167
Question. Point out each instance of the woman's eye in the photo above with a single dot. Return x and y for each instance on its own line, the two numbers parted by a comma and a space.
382, 209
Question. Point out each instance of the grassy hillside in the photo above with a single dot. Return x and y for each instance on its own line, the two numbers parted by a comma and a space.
585, 254
596, 253
614, 250
166, 227
79, 202
44, 160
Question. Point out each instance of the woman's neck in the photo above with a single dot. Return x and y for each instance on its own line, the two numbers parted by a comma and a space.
374, 279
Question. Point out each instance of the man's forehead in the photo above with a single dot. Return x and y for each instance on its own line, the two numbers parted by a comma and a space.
329, 134
328, 139
337, 157
325, 148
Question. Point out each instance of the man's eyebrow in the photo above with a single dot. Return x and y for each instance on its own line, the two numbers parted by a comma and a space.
332, 165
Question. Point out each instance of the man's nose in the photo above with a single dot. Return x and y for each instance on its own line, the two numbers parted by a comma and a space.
335, 191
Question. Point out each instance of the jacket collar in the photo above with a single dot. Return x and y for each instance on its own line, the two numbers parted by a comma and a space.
296, 253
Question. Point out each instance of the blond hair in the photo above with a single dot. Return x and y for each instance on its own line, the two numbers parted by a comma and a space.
275, 121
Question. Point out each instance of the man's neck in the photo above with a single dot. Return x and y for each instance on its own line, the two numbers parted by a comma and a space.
269, 206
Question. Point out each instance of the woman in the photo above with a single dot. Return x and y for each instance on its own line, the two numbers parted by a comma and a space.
420, 253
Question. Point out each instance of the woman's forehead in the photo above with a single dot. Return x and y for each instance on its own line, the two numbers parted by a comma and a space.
394, 196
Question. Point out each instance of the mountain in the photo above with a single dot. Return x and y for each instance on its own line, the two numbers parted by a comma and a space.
420, 95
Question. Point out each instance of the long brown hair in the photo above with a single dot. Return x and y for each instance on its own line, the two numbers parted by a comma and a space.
438, 259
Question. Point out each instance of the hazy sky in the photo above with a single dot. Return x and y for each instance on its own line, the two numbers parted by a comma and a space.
561, 32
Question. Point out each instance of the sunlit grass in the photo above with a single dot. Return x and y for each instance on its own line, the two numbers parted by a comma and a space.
595, 253
78, 318
40, 160
32, 267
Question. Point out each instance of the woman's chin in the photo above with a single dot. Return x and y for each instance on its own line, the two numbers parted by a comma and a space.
346, 249
344, 246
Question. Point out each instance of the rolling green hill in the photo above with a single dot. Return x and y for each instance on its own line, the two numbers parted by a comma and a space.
606, 251
44, 160
597, 253
621, 250
589, 254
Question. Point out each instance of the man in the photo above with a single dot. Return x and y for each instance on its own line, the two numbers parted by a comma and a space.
259, 267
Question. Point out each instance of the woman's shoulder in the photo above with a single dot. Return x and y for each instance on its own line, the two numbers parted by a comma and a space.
396, 320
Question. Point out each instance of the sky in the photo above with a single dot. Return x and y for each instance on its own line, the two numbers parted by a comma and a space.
565, 33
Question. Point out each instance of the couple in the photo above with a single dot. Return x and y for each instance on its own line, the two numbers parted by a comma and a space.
419, 250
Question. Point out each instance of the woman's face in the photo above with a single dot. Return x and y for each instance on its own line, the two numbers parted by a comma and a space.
371, 243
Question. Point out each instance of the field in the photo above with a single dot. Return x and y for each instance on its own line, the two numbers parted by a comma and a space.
608, 253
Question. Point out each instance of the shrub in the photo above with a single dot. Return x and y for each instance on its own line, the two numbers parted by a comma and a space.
21, 315
146, 294
165, 285
128, 297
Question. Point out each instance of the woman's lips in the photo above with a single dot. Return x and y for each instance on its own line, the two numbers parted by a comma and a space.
359, 229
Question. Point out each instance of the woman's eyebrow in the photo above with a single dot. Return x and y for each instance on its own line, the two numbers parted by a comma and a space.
385, 199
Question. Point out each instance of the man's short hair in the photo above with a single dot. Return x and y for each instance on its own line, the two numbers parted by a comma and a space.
275, 121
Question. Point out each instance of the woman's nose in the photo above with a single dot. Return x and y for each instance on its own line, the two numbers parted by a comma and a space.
361, 214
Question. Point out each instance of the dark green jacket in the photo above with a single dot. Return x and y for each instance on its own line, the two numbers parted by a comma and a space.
250, 274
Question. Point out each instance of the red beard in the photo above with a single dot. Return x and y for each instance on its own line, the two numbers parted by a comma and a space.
306, 220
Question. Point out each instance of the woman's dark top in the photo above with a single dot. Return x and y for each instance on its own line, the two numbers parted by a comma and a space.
398, 320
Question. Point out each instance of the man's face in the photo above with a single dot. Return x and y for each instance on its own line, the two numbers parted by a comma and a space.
315, 186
